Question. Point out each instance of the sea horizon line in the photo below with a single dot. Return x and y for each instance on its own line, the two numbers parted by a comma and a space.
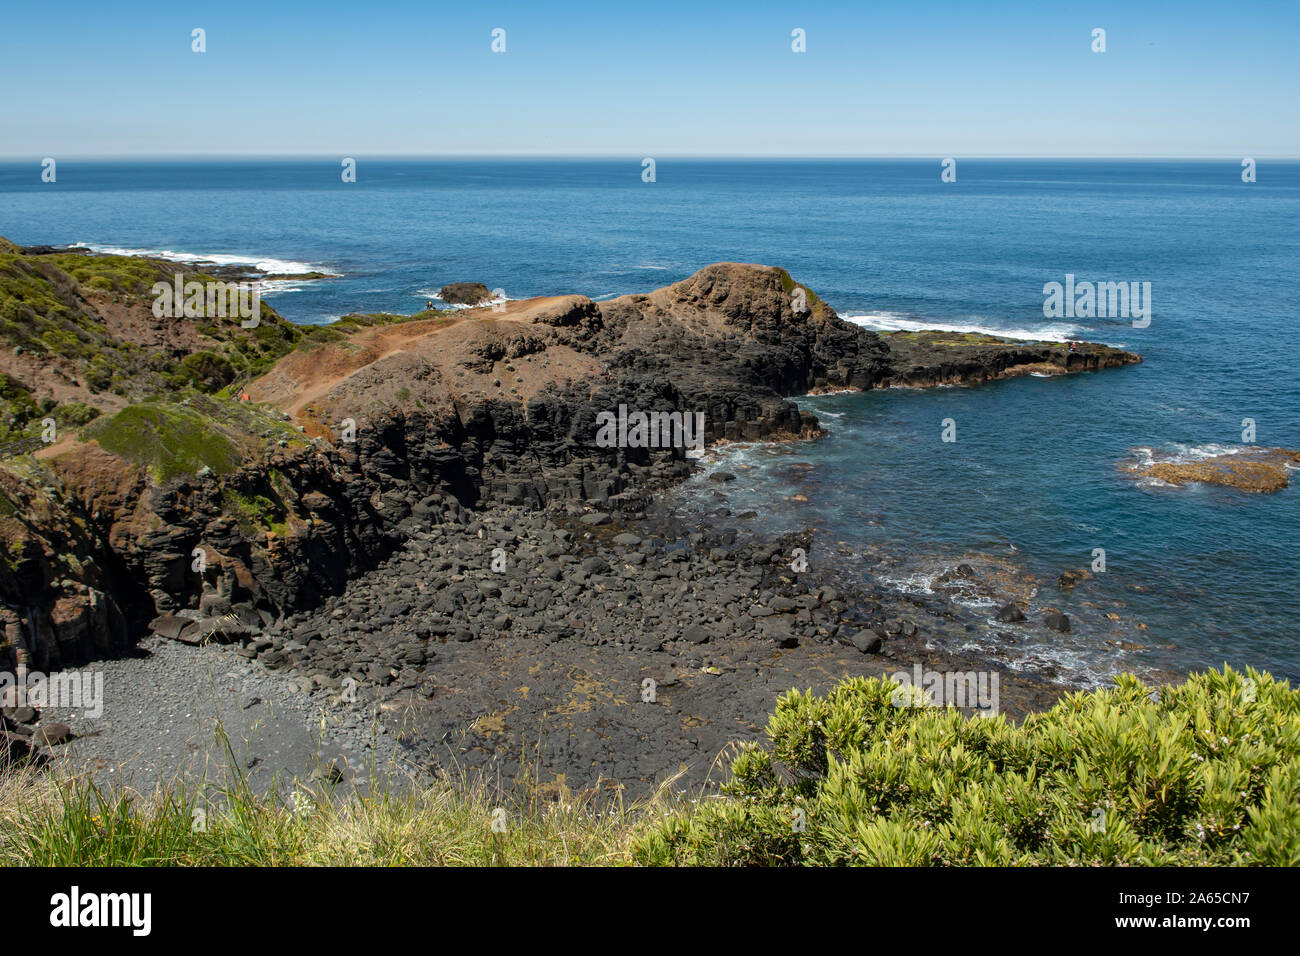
622, 157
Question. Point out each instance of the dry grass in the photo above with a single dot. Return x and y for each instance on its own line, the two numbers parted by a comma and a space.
48, 819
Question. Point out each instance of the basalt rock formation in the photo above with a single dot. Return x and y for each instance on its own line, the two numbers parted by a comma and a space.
465, 293
922, 359
262, 476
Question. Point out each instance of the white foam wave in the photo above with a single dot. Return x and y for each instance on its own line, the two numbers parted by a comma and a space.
277, 286
1178, 453
901, 322
920, 582
427, 294
262, 263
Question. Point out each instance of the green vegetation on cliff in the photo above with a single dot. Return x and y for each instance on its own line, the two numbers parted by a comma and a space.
818, 308
179, 435
356, 321
254, 513
21, 415
57, 309
81, 330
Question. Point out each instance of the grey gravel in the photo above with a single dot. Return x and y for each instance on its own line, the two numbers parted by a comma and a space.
162, 711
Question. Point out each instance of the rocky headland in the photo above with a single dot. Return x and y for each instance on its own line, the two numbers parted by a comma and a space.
414, 514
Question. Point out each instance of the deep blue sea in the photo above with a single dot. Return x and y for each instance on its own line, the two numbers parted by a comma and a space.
1195, 576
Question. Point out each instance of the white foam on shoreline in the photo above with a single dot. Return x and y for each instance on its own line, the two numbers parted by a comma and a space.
262, 263
1179, 453
427, 294
900, 322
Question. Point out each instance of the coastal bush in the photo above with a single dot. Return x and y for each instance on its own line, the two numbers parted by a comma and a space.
206, 371
43, 309
1205, 773
75, 414
121, 274
29, 303
19, 409
98, 374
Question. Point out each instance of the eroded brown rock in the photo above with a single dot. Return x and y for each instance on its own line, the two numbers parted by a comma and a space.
1262, 470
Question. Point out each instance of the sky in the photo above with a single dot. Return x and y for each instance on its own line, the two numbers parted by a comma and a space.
976, 78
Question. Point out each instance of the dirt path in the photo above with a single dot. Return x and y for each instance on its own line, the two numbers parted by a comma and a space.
58, 448
307, 377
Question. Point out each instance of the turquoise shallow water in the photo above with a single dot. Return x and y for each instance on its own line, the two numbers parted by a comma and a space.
1031, 485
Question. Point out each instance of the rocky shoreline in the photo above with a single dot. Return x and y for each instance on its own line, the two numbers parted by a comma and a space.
569, 648
412, 513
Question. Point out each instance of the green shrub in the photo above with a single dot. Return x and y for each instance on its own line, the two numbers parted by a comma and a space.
206, 371
1207, 774
75, 414
98, 374
43, 309
254, 513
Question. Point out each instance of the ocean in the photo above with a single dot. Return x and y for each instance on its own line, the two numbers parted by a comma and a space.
1194, 576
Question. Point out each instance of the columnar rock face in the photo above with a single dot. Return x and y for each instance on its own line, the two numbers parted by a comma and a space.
400, 424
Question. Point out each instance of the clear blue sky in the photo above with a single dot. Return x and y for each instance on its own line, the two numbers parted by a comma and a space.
651, 79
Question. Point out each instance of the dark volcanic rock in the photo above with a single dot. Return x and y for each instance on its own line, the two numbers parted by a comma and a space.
696, 634
13, 747
728, 344
1057, 622
52, 733
465, 293
868, 642
1010, 613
